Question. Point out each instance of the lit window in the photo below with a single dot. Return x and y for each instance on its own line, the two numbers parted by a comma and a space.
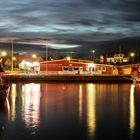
102, 68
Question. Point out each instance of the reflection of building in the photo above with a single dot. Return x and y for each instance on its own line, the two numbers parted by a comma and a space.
132, 109
74, 66
7, 63
91, 109
117, 58
31, 104
28, 106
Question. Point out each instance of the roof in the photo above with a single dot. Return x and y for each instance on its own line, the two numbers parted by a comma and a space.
78, 61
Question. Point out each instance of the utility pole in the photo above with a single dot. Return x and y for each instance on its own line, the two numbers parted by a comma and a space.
120, 50
137, 51
12, 55
46, 55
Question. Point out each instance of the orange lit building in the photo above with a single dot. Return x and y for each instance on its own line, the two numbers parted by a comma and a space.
75, 66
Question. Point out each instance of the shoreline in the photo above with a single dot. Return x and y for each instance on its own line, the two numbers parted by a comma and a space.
37, 77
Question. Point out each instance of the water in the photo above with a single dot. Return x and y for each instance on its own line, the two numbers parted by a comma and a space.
71, 111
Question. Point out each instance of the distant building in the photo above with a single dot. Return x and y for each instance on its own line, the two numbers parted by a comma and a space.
117, 58
75, 66
27, 57
8, 63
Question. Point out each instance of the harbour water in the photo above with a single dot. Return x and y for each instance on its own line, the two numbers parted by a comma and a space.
71, 111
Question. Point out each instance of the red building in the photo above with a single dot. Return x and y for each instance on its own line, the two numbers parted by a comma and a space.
74, 66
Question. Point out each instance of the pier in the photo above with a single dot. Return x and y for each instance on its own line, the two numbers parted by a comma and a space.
35, 77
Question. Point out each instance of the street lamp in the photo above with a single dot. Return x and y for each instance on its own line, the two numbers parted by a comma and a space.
34, 56
132, 55
3, 53
93, 51
12, 53
68, 58
14, 58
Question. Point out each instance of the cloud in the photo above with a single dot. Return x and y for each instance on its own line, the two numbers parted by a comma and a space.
65, 21
62, 46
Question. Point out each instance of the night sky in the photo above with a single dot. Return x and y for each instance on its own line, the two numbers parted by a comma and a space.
69, 23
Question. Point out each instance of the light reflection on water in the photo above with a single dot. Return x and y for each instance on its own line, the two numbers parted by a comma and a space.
54, 110
13, 101
91, 109
132, 110
80, 102
31, 105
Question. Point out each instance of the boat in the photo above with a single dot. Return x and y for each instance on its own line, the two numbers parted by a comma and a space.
4, 89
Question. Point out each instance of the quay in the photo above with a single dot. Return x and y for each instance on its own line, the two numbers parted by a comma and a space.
136, 80
37, 77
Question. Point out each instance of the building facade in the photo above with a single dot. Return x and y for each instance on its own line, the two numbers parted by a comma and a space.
75, 66
117, 58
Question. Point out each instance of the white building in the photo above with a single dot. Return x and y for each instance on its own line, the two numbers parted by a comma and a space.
117, 58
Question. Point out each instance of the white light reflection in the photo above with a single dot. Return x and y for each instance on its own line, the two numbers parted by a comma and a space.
80, 101
31, 106
91, 109
132, 109
13, 101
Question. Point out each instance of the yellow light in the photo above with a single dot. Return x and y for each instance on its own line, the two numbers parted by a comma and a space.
132, 109
68, 58
91, 109
14, 58
13, 102
80, 102
3, 53
91, 65
132, 54
31, 106
34, 55
101, 57
125, 60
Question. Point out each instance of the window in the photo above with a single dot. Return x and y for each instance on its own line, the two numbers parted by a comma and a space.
65, 68
75, 68
102, 68
81, 68
91, 69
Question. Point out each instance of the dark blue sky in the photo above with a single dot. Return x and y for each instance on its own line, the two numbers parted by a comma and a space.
68, 23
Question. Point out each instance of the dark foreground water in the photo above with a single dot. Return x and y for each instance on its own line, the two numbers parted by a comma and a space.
71, 111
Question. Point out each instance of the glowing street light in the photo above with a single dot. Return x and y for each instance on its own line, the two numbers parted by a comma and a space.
34, 55
132, 55
3, 53
68, 58
93, 51
14, 58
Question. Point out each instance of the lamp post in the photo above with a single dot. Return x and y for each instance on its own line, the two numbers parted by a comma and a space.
46, 53
93, 51
132, 55
12, 55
